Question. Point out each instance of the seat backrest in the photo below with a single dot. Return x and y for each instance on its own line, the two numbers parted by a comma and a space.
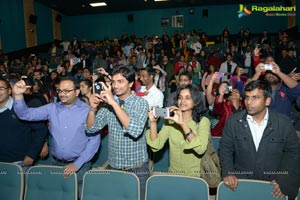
298, 197
110, 184
247, 190
11, 181
161, 160
48, 183
102, 154
170, 187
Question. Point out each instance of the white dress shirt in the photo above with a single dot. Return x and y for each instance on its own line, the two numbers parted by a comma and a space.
257, 130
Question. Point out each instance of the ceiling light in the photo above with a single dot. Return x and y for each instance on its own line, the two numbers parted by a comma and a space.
98, 4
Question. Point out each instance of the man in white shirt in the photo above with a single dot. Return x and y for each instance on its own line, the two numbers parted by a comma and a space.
65, 44
227, 68
260, 144
196, 45
154, 97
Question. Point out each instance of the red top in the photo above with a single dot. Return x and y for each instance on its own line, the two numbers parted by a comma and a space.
224, 110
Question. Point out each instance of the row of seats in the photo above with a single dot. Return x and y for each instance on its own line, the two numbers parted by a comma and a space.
48, 183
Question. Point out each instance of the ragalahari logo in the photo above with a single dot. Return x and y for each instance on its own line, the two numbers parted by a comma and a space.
243, 11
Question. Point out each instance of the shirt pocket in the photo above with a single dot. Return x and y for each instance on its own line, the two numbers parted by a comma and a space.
276, 145
242, 143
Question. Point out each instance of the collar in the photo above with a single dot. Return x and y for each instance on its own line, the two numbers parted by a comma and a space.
122, 102
9, 103
152, 88
265, 120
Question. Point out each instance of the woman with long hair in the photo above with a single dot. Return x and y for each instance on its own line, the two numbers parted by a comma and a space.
207, 77
187, 132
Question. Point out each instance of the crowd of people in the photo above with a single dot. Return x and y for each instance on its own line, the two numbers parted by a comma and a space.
249, 96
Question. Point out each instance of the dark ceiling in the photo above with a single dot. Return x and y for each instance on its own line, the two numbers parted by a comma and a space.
82, 7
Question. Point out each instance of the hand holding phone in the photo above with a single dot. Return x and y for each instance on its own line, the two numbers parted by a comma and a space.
28, 81
98, 88
268, 66
162, 112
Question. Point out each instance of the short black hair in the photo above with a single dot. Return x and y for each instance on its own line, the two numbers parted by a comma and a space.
75, 81
127, 71
150, 70
258, 84
5, 81
187, 74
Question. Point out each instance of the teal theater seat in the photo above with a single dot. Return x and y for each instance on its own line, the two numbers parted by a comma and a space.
48, 183
11, 181
173, 187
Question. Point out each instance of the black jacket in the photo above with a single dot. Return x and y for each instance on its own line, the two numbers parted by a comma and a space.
278, 155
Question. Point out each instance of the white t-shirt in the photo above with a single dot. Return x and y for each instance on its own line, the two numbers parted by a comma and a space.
155, 97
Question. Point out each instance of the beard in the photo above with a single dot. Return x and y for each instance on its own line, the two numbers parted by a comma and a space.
273, 82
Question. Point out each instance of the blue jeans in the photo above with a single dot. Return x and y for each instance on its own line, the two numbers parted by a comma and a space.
142, 173
80, 173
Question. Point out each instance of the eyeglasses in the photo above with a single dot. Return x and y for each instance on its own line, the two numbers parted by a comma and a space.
64, 91
3, 88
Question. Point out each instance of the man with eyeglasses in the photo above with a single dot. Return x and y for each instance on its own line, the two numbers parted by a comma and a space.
20, 141
69, 146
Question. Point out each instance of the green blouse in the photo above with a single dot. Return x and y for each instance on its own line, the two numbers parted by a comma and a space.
185, 156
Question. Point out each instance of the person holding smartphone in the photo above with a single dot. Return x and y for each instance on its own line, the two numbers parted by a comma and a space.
187, 132
126, 117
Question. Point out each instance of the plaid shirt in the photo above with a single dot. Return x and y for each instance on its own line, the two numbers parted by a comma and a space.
126, 147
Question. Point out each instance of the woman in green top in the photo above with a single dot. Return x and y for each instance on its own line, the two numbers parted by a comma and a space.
188, 132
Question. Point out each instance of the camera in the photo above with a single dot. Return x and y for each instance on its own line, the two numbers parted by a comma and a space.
98, 87
162, 112
76, 60
268, 66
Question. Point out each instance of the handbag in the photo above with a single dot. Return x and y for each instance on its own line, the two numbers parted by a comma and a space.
210, 168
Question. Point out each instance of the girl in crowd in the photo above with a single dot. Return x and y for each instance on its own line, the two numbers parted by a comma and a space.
207, 77
86, 88
196, 79
187, 132
175, 80
226, 101
160, 78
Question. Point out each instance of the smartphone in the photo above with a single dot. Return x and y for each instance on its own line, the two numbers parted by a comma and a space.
98, 87
162, 112
228, 88
28, 81
76, 60
245, 71
221, 74
268, 66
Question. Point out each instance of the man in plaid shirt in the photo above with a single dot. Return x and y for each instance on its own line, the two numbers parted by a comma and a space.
126, 116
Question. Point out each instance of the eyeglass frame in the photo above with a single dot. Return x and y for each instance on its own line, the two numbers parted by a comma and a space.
65, 91
3, 88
